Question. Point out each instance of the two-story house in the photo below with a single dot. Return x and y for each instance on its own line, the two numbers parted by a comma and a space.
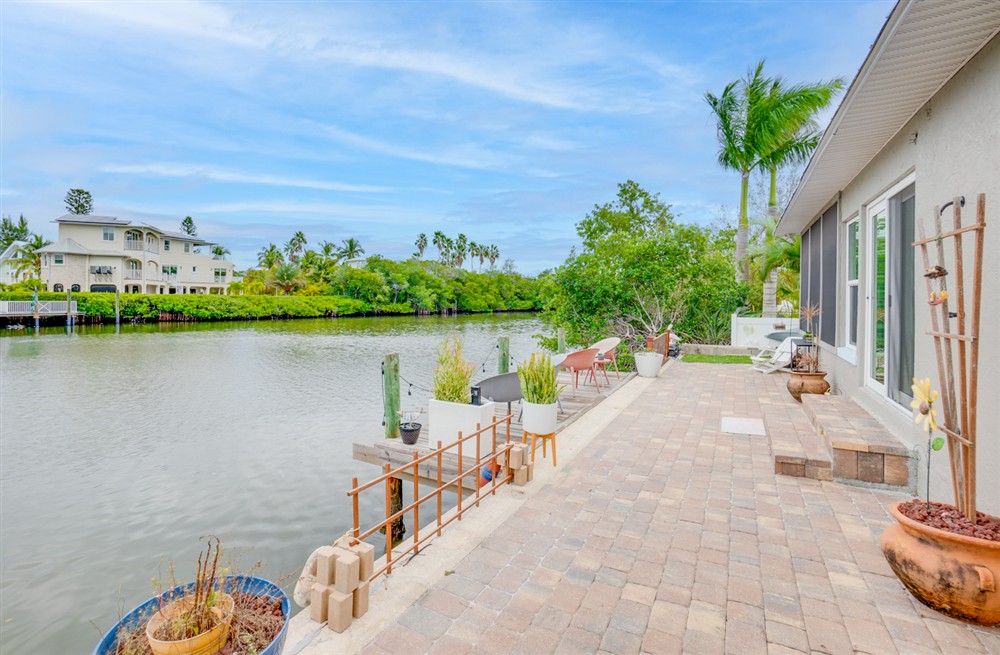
104, 253
8, 268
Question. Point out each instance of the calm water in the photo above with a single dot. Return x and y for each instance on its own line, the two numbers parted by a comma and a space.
119, 451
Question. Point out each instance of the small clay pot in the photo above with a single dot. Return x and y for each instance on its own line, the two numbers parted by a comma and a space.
802, 382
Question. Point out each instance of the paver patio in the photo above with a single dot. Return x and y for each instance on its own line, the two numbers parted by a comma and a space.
667, 535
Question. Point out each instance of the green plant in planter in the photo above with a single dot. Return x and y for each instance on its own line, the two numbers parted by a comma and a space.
538, 380
453, 374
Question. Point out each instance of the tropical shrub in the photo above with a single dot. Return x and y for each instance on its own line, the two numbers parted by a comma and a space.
538, 380
453, 374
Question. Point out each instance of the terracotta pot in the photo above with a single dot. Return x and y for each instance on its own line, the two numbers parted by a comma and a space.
209, 642
802, 382
951, 573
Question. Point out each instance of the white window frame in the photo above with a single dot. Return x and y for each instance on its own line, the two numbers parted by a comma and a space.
849, 351
108, 234
166, 245
58, 259
187, 247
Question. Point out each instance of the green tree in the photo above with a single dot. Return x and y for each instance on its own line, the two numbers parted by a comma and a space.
442, 243
760, 123
351, 249
779, 254
11, 231
493, 255
421, 244
270, 256
188, 227
219, 251
286, 277
634, 211
461, 249
28, 258
295, 246
79, 201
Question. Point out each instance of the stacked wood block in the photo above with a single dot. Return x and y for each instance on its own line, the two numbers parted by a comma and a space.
340, 593
519, 465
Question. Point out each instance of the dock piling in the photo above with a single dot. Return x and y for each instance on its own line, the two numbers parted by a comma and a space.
503, 359
561, 340
390, 394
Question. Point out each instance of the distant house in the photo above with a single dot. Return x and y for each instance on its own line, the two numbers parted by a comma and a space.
8, 269
919, 125
104, 253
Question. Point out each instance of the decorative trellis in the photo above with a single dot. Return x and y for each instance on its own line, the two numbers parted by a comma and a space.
956, 336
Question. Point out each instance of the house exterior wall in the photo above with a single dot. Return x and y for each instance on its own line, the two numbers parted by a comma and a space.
196, 273
952, 148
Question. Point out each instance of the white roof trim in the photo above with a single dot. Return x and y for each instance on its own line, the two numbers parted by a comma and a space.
901, 73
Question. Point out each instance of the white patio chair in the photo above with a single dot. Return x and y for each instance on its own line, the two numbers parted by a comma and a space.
774, 359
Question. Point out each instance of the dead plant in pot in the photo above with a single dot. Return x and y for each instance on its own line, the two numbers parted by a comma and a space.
806, 375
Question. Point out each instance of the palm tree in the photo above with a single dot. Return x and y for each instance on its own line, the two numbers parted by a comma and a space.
461, 249
759, 125
295, 246
28, 258
493, 254
329, 251
219, 252
311, 263
351, 249
270, 256
476, 251
421, 244
286, 278
440, 242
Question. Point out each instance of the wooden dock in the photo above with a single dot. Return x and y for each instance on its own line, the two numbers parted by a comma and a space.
395, 453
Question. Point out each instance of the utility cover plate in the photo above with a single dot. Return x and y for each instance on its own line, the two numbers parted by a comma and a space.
740, 425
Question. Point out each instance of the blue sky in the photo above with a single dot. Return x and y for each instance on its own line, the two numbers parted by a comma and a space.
506, 121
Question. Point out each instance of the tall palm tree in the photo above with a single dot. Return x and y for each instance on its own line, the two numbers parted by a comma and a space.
269, 256
295, 246
311, 263
421, 244
219, 252
461, 249
760, 125
440, 242
351, 249
286, 278
476, 252
28, 258
493, 255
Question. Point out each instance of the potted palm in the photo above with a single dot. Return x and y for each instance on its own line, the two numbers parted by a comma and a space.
450, 410
541, 394
806, 376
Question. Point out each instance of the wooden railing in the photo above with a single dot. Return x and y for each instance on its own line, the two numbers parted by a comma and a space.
433, 462
27, 307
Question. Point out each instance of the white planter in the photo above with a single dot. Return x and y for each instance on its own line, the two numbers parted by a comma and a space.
539, 419
647, 365
445, 420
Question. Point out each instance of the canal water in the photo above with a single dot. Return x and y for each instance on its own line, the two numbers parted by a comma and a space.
120, 452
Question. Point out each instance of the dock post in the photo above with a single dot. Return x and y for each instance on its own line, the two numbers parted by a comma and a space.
561, 340
69, 312
503, 359
390, 394
118, 308
34, 308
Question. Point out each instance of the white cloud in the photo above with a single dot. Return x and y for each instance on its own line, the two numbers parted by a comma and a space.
222, 175
467, 157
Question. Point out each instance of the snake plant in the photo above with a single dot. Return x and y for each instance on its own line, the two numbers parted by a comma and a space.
538, 380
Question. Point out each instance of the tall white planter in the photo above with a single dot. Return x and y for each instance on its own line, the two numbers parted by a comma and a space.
539, 419
446, 420
647, 365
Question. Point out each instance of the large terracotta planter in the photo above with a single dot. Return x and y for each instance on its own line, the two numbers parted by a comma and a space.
951, 573
802, 382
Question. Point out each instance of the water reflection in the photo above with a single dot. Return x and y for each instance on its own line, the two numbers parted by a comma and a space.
119, 452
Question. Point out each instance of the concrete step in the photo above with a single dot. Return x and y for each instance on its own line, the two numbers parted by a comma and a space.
862, 449
796, 448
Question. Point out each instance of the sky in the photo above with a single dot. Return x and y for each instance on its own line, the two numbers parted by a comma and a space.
505, 121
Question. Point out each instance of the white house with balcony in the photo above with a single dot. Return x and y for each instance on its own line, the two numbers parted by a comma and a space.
105, 253
8, 268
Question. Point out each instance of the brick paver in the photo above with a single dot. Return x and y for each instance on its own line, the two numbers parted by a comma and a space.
667, 535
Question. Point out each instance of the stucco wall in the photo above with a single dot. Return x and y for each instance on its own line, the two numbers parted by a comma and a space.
952, 146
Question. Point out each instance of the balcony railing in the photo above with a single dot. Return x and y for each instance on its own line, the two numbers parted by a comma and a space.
153, 247
133, 274
219, 279
134, 244
169, 277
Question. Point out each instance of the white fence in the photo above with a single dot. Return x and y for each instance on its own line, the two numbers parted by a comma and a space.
752, 331
27, 307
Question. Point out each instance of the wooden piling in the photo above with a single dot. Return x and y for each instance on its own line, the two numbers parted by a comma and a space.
118, 307
390, 394
503, 359
561, 340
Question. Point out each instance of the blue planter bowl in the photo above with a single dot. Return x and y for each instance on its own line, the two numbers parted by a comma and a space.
232, 583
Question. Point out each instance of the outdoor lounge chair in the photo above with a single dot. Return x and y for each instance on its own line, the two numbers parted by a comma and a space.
581, 360
770, 360
503, 388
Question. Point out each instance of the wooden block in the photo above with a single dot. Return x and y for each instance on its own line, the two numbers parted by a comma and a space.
365, 553
897, 470
319, 599
516, 457
845, 463
340, 608
871, 467
361, 599
325, 559
531, 471
348, 570
521, 476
